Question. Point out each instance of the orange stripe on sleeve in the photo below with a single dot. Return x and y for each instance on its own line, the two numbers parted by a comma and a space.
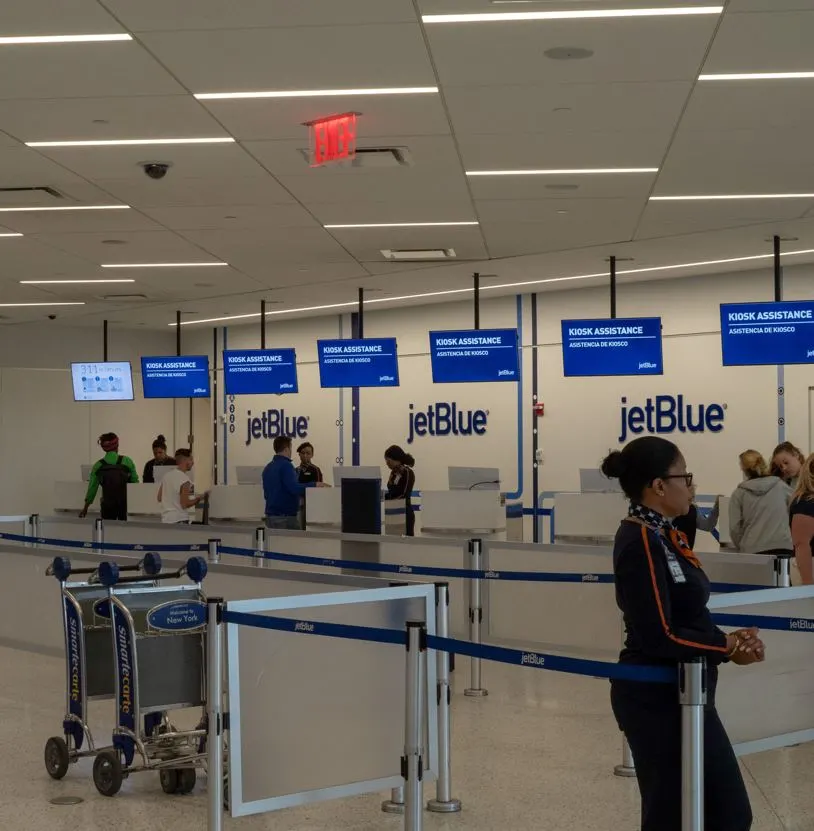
664, 623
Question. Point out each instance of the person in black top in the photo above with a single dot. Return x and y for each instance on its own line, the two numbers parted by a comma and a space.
160, 459
401, 483
307, 473
802, 522
663, 592
690, 523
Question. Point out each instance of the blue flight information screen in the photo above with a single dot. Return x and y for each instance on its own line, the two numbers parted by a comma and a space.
372, 362
616, 346
184, 376
758, 334
260, 371
474, 355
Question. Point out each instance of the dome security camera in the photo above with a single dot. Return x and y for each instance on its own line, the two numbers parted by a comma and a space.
156, 170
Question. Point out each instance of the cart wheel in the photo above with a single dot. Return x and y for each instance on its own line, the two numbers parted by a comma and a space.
169, 780
57, 757
187, 777
107, 773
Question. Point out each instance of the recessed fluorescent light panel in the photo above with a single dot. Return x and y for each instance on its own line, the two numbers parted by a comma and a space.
576, 14
10, 235
161, 265
67, 208
725, 196
11, 41
17, 305
579, 171
758, 76
123, 142
404, 225
317, 93
67, 282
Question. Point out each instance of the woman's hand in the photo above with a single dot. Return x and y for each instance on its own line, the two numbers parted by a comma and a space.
745, 647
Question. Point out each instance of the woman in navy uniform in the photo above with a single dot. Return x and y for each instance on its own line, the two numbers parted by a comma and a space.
401, 483
307, 473
663, 591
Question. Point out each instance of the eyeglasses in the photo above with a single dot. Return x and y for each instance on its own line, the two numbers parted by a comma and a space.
687, 477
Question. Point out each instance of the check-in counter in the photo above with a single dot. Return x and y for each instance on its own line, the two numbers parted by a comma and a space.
588, 517
323, 509
463, 514
70, 496
723, 522
142, 499
237, 502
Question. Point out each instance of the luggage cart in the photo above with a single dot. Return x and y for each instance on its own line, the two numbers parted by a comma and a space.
88, 658
158, 635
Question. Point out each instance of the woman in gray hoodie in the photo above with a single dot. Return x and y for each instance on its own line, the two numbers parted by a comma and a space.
759, 509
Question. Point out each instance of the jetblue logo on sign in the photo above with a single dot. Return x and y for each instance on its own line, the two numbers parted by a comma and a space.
444, 419
668, 414
273, 423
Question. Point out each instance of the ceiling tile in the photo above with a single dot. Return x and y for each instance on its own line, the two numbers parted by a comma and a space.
27, 258
643, 49
67, 17
170, 116
233, 217
430, 210
564, 212
167, 15
87, 70
304, 58
393, 115
736, 6
104, 223
603, 186
366, 244
143, 247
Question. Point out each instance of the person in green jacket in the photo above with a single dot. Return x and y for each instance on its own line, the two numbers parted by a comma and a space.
113, 472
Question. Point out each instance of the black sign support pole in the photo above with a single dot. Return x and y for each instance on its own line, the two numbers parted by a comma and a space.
613, 287
360, 323
178, 333
778, 270
262, 324
476, 282
215, 406
104, 341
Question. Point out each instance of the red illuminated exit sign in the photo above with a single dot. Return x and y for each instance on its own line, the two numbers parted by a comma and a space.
332, 138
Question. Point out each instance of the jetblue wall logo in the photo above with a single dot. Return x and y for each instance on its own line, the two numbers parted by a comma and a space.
273, 423
444, 419
668, 414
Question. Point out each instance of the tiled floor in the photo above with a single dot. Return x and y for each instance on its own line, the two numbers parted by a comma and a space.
536, 754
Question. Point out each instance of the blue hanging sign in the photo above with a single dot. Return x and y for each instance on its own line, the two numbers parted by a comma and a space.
615, 346
474, 356
759, 334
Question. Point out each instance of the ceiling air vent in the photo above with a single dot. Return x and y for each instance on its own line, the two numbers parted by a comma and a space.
29, 196
123, 298
419, 254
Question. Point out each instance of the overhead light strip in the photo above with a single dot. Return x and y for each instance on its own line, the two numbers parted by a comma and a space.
69, 282
18, 305
724, 196
353, 304
403, 225
125, 142
161, 265
577, 14
578, 171
758, 76
13, 41
67, 208
10, 235
316, 93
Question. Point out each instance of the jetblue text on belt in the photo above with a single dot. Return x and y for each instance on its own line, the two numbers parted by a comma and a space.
273, 423
668, 414
446, 419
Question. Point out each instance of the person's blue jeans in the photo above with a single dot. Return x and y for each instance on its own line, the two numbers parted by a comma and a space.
288, 523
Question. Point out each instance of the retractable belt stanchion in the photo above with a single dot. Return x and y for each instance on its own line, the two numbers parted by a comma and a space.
260, 547
214, 551
693, 697
443, 802
214, 703
413, 762
475, 619
782, 571
33, 528
99, 535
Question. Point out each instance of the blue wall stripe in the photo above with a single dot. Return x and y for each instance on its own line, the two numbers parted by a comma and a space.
225, 424
356, 420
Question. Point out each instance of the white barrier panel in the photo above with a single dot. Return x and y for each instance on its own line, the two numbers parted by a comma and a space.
578, 617
589, 516
768, 705
316, 718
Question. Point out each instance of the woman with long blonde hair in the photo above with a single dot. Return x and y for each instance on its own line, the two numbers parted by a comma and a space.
802, 521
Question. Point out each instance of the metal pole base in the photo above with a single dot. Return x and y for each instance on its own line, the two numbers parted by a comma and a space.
390, 807
624, 771
451, 807
476, 693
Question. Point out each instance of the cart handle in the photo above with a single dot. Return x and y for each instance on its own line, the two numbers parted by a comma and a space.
195, 567
61, 567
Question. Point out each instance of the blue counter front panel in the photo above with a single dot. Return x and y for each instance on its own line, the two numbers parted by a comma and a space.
759, 334
186, 376
474, 355
372, 362
616, 346
260, 371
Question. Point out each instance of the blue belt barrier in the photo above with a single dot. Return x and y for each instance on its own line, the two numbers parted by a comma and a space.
516, 657
781, 624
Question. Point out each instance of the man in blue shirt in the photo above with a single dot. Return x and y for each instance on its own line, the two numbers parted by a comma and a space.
282, 489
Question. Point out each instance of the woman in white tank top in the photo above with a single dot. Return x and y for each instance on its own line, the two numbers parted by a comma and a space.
176, 494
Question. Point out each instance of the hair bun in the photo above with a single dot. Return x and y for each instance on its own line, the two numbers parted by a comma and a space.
159, 437
614, 465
